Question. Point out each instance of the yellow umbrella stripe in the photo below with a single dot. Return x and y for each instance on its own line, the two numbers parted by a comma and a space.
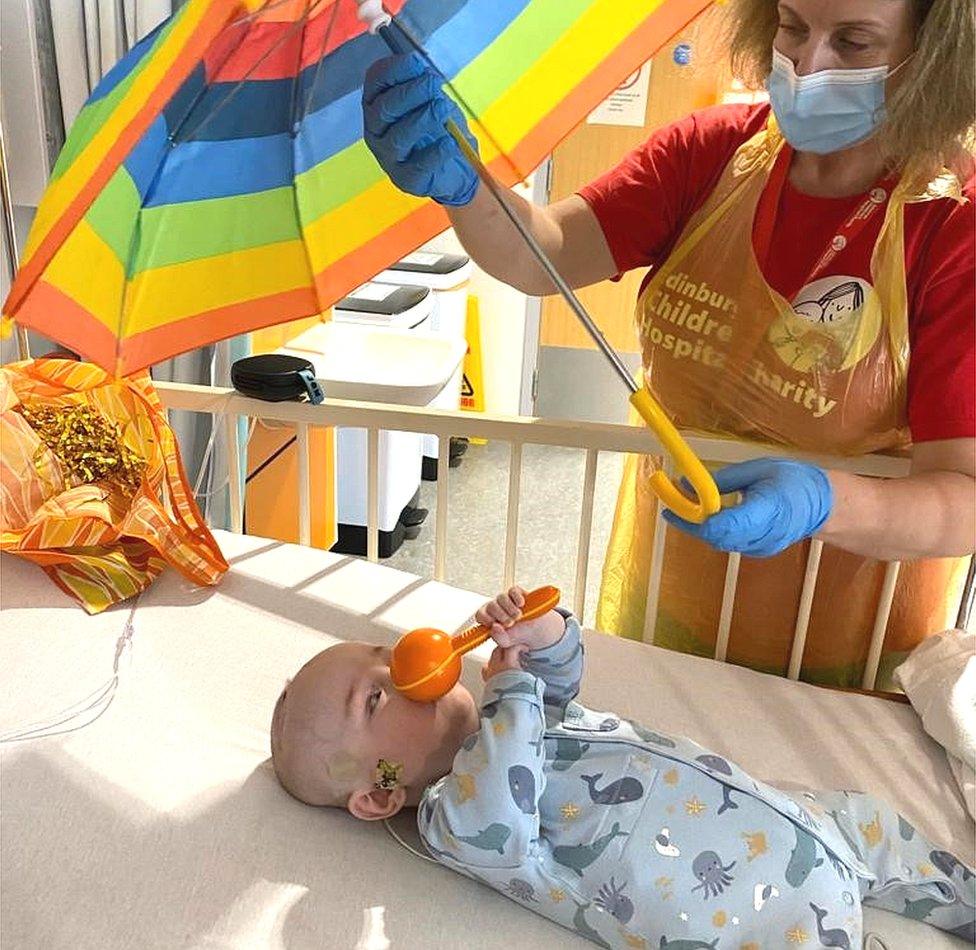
166, 294
98, 286
340, 230
353, 224
541, 88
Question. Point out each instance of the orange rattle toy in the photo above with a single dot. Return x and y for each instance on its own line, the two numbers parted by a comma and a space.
426, 663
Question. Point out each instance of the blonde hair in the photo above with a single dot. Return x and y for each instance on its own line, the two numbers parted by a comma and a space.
930, 116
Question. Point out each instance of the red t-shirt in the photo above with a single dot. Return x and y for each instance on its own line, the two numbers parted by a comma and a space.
645, 202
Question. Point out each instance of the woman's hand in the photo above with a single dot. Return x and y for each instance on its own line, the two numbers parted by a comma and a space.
502, 616
782, 502
928, 513
404, 116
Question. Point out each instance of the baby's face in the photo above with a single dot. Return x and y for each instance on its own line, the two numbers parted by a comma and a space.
349, 687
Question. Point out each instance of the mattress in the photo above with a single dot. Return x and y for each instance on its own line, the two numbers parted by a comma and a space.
160, 824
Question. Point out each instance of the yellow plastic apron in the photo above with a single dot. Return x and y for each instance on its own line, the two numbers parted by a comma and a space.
727, 355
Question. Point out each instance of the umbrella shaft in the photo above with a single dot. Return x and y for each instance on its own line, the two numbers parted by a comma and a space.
572, 301
399, 44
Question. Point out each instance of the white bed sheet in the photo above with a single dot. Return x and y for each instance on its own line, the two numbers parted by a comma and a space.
161, 825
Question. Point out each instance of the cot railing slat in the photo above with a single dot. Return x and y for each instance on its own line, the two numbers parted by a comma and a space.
511, 527
372, 495
585, 531
803, 612
657, 563
440, 527
728, 604
233, 462
304, 486
885, 599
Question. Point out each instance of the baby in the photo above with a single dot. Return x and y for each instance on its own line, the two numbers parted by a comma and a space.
628, 837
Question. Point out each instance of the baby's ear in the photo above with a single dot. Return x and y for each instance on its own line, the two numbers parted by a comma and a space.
375, 804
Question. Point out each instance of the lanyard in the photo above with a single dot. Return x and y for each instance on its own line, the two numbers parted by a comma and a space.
768, 208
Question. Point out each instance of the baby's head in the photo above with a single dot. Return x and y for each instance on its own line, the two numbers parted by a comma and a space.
340, 717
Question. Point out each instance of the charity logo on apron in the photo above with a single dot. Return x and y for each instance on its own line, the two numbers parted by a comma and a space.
826, 372
843, 312
727, 354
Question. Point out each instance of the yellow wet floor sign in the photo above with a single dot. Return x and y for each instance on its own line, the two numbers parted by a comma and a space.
473, 380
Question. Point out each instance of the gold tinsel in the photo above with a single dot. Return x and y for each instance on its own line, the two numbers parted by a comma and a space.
89, 446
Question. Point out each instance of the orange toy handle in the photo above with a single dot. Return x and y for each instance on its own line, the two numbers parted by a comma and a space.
537, 603
426, 663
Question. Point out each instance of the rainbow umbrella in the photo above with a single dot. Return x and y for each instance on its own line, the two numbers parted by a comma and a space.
217, 182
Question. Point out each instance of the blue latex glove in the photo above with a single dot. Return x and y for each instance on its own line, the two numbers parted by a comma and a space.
404, 111
782, 502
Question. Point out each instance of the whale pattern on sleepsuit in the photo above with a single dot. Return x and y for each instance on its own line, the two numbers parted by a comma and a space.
635, 839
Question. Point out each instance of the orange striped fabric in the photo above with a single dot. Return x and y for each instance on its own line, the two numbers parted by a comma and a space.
98, 543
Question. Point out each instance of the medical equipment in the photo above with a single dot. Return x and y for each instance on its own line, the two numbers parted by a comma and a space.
447, 277
378, 348
426, 663
366, 313
708, 502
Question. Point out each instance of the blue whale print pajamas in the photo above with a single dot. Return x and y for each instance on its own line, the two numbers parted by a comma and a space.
635, 839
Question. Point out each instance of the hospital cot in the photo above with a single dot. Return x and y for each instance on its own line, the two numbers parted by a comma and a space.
152, 818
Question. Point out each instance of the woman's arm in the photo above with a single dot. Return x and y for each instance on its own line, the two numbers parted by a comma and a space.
930, 513
568, 232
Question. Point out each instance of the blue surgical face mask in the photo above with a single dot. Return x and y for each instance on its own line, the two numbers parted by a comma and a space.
829, 110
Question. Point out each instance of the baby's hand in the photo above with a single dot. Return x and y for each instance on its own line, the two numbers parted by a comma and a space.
502, 616
503, 658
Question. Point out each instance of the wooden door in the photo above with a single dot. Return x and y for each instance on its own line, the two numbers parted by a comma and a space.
674, 91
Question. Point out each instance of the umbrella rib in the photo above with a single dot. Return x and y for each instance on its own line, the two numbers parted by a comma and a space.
321, 58
267, 7
196, 99
219, 107
298, 73
295, 120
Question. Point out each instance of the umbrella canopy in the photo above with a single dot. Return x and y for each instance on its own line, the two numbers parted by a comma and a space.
217, 181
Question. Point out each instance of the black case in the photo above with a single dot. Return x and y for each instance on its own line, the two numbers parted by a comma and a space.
272, 377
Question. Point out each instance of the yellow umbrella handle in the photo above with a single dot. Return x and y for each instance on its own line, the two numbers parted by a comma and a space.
685, 460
